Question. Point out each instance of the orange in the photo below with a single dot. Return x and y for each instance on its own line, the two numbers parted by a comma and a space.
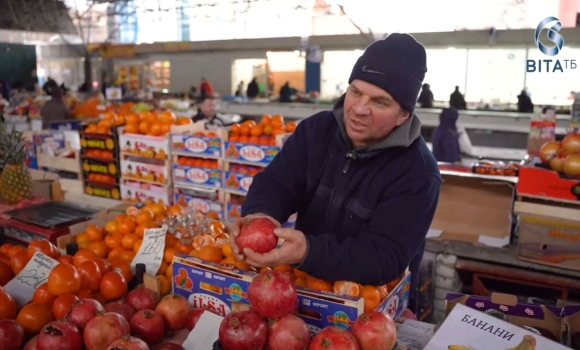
111, 226
137, 246
383, 291
162, 268
346, 288
100, 248
175, 210
94, 233
144, 127
300, 274
210, 253
318, 284
132, 128
133, 118
256, 130
166, 117
227, 250
300, 282
290, 126
143, 217
283, 268
115, 253
164, 285
235, 129
113, 240
126, 226
127, 255
245, 130
155, 129
169, 254
129, 240
371, 296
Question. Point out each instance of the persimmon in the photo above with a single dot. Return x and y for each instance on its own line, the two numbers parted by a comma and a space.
318, 284
33, 317
100, 248
113, 240
5, 247
129, 240
113, 286
18, 261
14, 250
6, 273
8, 308
94, 233
371, 296
62, 304
104, 266
83, 255
90, 275
124, 268
85, 294
41, 245
67, 259
43, 296
64, 279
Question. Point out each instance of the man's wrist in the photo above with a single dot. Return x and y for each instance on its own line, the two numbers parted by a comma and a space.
304, 256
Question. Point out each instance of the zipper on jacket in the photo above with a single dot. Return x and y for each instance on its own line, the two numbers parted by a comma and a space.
350, 157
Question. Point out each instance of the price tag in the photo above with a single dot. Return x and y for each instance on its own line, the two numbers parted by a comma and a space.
35, 273
151, 251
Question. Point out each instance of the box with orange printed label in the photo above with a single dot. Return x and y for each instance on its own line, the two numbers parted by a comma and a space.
144, 145
203, 205
197, 176
222, 289
259, 154
196, 145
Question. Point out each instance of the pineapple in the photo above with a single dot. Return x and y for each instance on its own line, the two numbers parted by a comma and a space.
15, 179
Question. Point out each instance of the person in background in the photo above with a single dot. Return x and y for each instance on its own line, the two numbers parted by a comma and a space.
55, 109
205, 89
457, 100
253, 90
445, 138
240, 90
4, 90
49, 85
426, 99
192, 93
105, 85
207, 111
286, 93
525, 104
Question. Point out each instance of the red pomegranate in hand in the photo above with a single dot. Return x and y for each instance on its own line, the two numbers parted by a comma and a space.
142, 298
59, 335
243, 330
273, 295
11, 335
192, 321
334, 338
258, 235
83, 311
375, 330
149, 326
104, 330
128, 343
288, 333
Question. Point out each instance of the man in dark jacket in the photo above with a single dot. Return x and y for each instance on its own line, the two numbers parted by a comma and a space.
286, 93
252, 90
361, 178
445, 138
525, 104
207, 111
426, 98
457, 100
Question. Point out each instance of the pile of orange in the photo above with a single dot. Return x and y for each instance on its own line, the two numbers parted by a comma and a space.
152, 123
99, 154
198, 162
104, 125
263, 133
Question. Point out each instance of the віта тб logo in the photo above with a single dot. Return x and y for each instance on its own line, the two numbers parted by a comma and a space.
550, 65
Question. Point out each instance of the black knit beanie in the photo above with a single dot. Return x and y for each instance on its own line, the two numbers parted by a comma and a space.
396, 64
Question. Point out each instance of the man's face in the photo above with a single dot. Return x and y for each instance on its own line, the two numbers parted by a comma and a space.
208, 108
370, 113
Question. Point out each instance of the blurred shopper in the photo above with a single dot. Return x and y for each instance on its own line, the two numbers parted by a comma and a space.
49, 85
445, 138
525, 104
205, 89
457, 100
240, 90
207, 112
192, 93
361, 178
4, 90
253, 90
286, 93
55, 109
426, 99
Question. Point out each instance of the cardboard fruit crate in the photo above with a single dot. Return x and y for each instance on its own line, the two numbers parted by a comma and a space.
546, 183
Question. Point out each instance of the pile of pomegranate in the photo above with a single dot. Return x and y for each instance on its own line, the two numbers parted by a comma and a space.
272, 322
138, 322
563, 157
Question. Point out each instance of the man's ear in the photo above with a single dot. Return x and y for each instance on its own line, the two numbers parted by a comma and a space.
403, 116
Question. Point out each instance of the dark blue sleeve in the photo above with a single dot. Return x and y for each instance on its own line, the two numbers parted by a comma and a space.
278, 189
385, 247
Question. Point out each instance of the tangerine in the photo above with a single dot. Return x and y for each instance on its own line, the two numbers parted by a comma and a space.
211, 253
371, 296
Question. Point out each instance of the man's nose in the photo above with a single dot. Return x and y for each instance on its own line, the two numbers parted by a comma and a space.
361, 107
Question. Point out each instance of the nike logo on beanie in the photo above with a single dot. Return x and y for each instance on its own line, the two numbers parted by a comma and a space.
366, 70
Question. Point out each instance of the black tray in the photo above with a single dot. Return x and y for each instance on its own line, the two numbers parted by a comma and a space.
51, 214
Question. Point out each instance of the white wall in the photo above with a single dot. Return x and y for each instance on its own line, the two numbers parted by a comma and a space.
187, 69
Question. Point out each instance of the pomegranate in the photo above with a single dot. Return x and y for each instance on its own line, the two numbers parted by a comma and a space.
31, 345
334, 338
243, 330
121, 308
375, 330
408, 315
571, 143
170, 346
288, 333
104, 330
59, 335
142, 298
149, 326
128, 343
83, 311
11, 335
258, 235
175, 310
557, 164
272, 294
192, 321
549, 150
572, 165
